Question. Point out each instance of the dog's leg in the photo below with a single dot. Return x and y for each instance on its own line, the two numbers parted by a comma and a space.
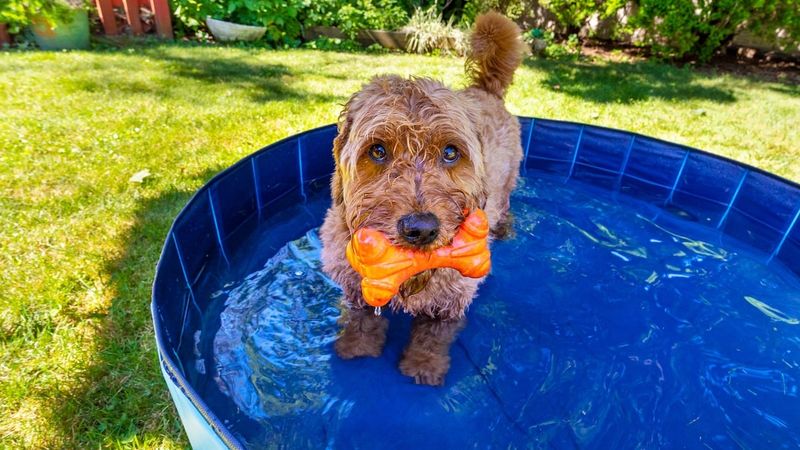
427, 357
363, 334
504, 227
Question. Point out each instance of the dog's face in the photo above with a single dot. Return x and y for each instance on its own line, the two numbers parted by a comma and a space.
408, 162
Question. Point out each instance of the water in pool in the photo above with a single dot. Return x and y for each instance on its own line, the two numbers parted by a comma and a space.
606, 323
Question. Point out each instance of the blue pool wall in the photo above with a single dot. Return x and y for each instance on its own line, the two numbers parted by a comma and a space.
757, 208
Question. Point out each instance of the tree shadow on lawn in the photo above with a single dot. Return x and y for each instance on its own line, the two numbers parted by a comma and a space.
786, 89
264, 82
626, 82
261, 81
123, 397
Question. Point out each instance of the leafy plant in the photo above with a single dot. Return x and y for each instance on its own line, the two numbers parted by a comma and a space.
18, 14
358, 15
677, 29
681, 28
322, 12
280, 17
429, 33
191, 14
13, 14
285, 19
571, 14
512, 9
783, 15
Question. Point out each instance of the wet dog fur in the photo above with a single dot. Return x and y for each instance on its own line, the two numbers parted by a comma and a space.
413, 120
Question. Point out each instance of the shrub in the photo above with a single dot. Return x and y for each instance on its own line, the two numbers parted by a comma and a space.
677, 29
285, 19
322, 12
697, 29
278, 16
430, 33
18, 14
13, 14
783, 15
512, 9
191, 14
358, 15
571, 14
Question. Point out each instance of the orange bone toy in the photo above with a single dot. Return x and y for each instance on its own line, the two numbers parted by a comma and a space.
385, 267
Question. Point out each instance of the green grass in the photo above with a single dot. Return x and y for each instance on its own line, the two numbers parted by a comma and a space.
79, 242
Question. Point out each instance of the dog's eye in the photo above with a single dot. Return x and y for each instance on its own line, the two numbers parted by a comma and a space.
377, 153
450, 154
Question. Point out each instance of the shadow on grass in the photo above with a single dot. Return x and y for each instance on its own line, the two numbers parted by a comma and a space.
625, 82
262, 81
259, 80
124, 398
793, 90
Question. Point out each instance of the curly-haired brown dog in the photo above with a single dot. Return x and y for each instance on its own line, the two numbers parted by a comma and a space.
411, 156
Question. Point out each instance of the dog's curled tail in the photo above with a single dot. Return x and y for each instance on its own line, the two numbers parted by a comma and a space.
495, 53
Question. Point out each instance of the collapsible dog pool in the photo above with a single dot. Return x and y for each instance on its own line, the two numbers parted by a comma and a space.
650, 297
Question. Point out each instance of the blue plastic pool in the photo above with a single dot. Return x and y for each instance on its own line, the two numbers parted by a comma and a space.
650, 297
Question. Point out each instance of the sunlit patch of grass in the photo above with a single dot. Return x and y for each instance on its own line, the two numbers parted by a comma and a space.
79, 242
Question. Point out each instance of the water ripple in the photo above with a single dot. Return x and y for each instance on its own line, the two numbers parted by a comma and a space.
606, 323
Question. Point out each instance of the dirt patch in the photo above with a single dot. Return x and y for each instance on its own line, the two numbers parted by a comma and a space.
738, 61
612, 52
749, 62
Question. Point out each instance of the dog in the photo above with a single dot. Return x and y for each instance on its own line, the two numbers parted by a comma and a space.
412, 158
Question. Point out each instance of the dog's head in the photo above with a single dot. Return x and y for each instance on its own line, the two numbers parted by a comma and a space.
408, 161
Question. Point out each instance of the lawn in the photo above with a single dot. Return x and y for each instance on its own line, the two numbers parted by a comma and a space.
79, 240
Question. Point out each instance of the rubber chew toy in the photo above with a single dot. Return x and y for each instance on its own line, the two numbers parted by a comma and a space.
385, 267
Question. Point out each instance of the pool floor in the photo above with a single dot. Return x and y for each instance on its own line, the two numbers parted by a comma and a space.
607, 322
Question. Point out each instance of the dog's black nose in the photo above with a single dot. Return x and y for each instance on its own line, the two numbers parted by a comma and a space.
418, 228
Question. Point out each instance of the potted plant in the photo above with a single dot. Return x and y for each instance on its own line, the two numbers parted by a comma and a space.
59, 24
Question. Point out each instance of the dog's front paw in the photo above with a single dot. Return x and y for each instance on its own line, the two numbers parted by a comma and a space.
364, 336
425, 367
504, 229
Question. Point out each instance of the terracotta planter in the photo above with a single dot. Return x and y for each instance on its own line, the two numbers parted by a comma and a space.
70, 34
396, 40
229, 31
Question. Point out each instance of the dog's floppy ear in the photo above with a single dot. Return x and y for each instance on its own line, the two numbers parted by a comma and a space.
337, 190
352, 108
